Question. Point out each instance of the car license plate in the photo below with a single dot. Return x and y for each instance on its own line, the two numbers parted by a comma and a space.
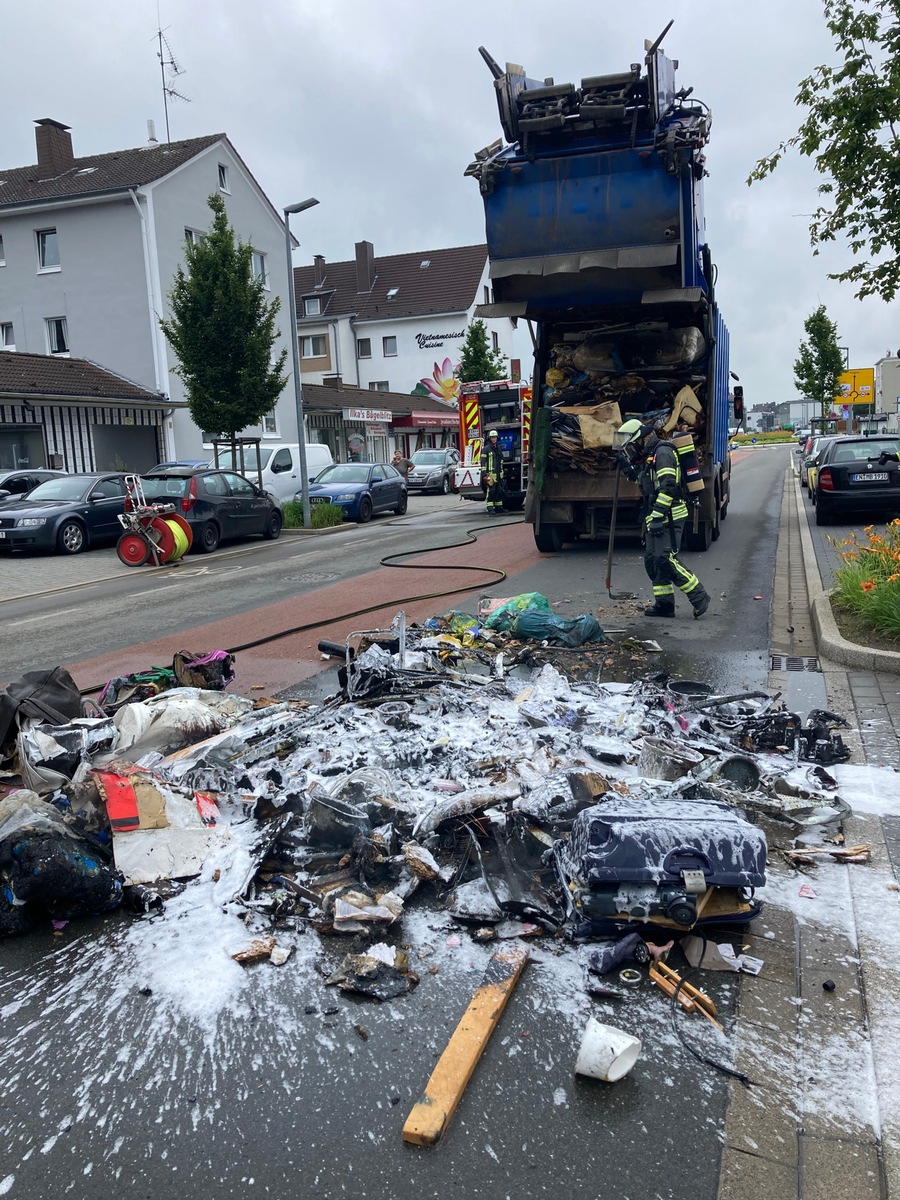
871, 477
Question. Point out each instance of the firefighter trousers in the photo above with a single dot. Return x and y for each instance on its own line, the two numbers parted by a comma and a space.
666, 572
493, 494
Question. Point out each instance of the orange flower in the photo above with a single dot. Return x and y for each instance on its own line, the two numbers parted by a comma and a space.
867, 585
893, 578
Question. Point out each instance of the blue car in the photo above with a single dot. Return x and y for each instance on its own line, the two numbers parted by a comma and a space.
360, 489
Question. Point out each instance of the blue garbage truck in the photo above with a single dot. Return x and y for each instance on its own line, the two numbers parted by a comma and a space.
596, 236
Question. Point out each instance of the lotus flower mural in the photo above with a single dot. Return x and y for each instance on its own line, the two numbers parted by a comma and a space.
443, 384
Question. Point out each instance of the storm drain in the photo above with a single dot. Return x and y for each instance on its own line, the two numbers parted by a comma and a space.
786, 662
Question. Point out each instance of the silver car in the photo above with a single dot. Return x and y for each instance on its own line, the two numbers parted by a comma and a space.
432, 471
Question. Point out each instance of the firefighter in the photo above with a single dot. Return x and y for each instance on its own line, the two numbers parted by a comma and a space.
492, 472
654, 464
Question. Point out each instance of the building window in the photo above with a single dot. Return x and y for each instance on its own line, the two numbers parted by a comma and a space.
363, 347
392, 293
315, 346
223, 178
380, 385
2, 255
7, 337
389, 347
258, 268
495, 340
57, 335
312, 306
487, 294
48, 250
270, 423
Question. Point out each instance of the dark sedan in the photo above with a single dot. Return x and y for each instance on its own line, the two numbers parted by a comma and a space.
360, 489
218, 505
850, 478
67, 513
20, 483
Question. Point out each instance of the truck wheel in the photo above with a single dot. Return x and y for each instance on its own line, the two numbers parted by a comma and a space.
515, 503
549, 539
716, 530
701, 540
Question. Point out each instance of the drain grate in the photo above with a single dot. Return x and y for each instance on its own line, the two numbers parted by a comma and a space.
786, 662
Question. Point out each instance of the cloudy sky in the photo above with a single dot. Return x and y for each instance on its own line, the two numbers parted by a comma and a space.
376, 106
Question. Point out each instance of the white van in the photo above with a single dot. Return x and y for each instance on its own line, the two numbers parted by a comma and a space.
280, 463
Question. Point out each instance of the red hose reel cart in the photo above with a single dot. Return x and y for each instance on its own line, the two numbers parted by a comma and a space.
153, 533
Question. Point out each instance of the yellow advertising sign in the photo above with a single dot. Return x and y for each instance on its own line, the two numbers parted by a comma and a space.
857, 387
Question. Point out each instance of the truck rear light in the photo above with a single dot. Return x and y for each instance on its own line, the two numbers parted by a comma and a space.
825, 482
188, 501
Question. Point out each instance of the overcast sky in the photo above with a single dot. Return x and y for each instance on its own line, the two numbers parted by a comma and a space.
376, 107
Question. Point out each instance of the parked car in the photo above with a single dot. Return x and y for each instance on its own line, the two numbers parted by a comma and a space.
851, 479
197, 463
810, 462
68, 513
218, 505
360, 489
433, 470
20, 483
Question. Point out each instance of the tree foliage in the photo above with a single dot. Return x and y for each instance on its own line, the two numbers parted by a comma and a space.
820, 361
851, 134
222, 331
477, 360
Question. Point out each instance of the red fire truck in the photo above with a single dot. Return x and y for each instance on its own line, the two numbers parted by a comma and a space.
505, 406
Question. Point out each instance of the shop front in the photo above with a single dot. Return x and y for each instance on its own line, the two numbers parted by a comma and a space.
418, 430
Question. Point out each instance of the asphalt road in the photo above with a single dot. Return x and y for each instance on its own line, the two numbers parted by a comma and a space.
108, 1093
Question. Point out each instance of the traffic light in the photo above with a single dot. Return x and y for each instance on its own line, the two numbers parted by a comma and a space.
738, 402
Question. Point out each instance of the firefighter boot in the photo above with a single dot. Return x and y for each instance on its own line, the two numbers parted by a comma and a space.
660, 610
699, 601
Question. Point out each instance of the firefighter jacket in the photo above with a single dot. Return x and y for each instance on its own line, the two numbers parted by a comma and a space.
492, 460
662, 482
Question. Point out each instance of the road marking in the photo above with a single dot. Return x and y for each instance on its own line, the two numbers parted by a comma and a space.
42, 617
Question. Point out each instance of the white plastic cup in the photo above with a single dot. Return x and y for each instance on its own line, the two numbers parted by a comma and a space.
606, 1052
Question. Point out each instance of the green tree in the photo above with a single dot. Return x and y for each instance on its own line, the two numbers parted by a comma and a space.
820, 361
851, 134
478, 361
222, 331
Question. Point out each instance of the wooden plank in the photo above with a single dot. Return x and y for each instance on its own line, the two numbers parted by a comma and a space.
432, 1112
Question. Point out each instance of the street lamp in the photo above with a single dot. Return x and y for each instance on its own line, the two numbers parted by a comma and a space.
298, 386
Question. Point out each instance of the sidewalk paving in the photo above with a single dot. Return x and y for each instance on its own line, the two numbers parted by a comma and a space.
825, 1118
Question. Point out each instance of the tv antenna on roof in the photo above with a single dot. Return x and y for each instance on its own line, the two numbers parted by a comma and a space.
169, 71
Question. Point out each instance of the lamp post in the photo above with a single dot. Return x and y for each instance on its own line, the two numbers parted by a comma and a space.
298, 386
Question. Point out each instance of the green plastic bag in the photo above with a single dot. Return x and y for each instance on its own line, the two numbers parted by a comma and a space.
502, 618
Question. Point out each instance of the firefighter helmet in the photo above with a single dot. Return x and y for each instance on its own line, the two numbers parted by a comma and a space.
493, 433
632, 431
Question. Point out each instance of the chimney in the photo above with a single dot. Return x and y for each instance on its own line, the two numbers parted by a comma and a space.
365, 266
319, 269
151, 133
54, 148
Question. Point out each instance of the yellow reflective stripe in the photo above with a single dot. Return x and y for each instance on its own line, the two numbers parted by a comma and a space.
662, 498
666, 471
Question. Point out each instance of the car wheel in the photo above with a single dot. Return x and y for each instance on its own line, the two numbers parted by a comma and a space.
823, 516
273, 527
402, 504
71, 538
208, 538
365, 511
445, 485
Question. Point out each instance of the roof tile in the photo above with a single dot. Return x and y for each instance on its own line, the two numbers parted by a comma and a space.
48, 375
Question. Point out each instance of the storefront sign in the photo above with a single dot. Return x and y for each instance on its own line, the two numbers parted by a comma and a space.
383, 415
433, 341
428, 420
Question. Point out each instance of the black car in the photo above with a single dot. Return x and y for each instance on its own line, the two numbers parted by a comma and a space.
20, 483
433, 471
218, 505
67, 513
850, 478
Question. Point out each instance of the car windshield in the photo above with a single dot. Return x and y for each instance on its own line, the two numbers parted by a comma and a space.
251, 460
428, 457
344, 473
67, 487
857, 451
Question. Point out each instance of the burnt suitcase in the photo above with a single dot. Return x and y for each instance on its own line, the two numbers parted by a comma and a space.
638, 859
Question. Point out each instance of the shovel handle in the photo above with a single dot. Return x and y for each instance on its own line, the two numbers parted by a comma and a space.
612, 530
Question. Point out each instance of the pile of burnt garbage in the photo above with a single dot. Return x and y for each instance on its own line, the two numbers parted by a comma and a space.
522, 804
